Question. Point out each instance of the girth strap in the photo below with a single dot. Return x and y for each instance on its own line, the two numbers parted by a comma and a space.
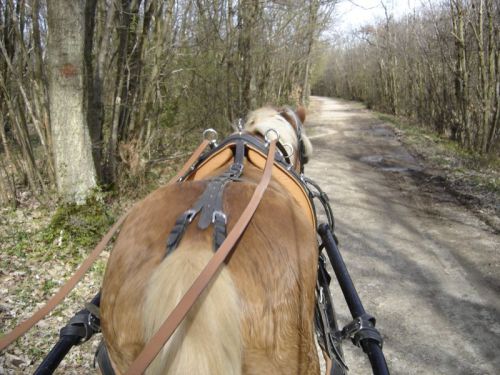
209, 205
178, 230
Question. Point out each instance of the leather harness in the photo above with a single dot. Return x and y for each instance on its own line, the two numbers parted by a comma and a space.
241, 149
153, 347
244, 149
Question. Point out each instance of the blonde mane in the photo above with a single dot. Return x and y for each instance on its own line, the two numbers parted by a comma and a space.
263, 119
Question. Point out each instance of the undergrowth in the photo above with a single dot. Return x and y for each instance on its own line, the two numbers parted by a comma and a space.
80, 225
444, 147
71, 230
466, 172
41, 247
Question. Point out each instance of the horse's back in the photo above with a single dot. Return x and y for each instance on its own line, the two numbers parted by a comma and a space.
258, 308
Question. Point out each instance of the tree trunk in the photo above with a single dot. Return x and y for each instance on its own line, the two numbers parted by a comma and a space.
94, 108
247, 17
494, 74
461, 70
311, 31
75, 172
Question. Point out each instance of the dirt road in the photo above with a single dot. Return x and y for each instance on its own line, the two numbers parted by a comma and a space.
427, 268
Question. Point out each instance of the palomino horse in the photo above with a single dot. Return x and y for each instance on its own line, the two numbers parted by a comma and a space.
256, 316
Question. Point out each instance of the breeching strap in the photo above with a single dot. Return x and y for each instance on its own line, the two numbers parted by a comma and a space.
169, 326
21, 329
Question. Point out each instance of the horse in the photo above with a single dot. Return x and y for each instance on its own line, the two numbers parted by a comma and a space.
256, 315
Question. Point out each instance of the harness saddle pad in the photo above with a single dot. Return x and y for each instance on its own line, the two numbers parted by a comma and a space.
258, 159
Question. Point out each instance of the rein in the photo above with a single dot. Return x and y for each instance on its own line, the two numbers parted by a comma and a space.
154, 346
24, 326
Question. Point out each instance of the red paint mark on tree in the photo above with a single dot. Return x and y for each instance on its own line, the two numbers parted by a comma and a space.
68, 70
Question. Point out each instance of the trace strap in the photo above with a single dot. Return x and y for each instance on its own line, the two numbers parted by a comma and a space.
21, 329
157, 342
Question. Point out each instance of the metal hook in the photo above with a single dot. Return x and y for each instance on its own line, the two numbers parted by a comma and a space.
210, 135
269, 132
239, 125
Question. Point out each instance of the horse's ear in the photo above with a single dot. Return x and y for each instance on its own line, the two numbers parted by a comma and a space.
301, 113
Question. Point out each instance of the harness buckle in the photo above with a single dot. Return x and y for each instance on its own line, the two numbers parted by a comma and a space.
239, 125
219, 214
94, 323
289, 150
321, 298
190, 215
236, 169
268, 138
211, 135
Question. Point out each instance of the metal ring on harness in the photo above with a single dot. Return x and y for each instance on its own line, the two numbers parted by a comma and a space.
268, 139
211, 135
288, 146
219, 214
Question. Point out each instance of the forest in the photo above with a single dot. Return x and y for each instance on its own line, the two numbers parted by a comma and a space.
101, 92
439, 65
149, 74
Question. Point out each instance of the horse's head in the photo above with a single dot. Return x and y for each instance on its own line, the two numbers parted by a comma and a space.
289, 126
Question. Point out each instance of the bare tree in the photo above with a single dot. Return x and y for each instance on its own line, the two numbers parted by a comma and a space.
75, 170
150, 74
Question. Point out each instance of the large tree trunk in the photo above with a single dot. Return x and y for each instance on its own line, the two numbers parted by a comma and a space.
75, 170
247, 17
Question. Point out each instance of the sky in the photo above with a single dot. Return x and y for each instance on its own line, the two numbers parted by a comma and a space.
350, 14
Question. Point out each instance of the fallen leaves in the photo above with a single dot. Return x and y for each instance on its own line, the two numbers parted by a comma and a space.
30, 272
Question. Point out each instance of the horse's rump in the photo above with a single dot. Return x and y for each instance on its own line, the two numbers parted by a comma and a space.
256, 316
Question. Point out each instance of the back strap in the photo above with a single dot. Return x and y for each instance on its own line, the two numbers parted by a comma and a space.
209, 205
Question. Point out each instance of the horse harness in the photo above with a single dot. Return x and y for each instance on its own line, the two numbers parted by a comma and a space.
243, 149
239, 150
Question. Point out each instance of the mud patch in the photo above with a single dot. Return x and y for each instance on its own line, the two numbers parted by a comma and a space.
389, 165
438, 185
382, 131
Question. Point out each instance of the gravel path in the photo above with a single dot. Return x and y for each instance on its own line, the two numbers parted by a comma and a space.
426, 267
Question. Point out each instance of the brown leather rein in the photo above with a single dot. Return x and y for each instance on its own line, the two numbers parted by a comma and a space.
154, 346
56, 299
